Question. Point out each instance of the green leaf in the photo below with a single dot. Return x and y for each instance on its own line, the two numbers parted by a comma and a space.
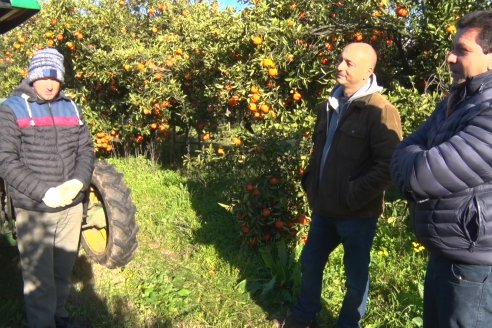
184, 292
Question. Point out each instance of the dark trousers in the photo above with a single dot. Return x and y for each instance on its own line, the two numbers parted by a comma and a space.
457, 294
356, 236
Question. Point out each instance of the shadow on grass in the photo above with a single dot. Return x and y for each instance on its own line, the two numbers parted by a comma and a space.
11, 300
219, 228
84, 303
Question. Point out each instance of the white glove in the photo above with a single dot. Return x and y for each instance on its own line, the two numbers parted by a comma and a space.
52, 198
69, 190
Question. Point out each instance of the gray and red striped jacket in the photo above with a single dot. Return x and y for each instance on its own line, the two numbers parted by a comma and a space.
43, 144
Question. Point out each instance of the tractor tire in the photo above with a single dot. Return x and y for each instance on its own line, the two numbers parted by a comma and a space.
109, 229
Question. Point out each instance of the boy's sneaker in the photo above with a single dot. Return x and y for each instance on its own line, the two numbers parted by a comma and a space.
67, 322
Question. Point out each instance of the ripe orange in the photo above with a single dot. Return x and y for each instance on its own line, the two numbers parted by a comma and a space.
206, 137
264, 108
255, 97
101, 134
157, 77
266, 236
79, 36
272, 72
279, 224
266, 212
53, 22
358, 36
252, 107
153, 125
257, 40
268, 63
273, 181
70, 45
48, 35
245, 229
233, 100
140, 66
236, 141
401, 11
59, 37
220, 152
250, 187
451, 29
163, 127
302, 219
296, 96
254, 89
328, 46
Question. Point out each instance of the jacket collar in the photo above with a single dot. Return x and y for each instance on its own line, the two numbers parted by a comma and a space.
479, 82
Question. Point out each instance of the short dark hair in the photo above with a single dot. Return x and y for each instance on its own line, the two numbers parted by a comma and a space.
482, 20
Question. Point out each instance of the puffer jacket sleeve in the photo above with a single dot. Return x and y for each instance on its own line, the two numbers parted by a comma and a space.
12, 169
84, 164
461, 162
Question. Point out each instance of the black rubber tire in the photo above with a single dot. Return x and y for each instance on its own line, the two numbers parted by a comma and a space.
119, 211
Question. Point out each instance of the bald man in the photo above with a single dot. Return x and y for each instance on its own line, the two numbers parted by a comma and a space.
355, 135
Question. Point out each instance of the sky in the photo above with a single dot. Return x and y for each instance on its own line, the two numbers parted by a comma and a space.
231, 3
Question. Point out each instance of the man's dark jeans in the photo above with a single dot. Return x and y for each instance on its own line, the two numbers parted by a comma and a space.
457, 295
356, 236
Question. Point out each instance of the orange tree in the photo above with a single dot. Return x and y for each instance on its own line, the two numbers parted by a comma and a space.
237, 87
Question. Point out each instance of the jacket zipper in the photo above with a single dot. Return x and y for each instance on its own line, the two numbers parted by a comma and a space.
56, 141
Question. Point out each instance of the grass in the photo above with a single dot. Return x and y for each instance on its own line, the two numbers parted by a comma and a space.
190, 270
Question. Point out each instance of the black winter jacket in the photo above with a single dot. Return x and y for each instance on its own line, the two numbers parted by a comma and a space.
42, 145
445, 170
358, 161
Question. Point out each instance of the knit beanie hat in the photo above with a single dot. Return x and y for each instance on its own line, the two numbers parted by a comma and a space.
46, 63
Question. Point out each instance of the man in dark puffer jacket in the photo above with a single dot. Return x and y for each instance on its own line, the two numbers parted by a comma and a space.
46, 158
445, 170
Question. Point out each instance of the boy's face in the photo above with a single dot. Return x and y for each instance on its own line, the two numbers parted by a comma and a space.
46, 89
